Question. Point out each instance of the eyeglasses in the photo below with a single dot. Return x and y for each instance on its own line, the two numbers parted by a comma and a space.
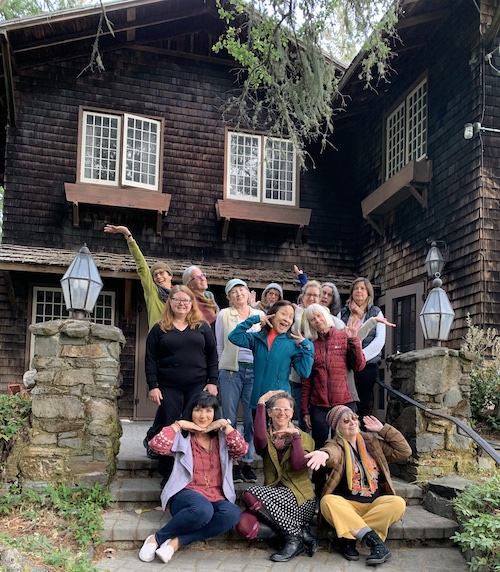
281, 409
347, 420
181, 301
311, 296
199, 278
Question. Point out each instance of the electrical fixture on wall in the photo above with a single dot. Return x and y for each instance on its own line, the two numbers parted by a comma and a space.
473, 129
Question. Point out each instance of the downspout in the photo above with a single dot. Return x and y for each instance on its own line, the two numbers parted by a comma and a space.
8, 78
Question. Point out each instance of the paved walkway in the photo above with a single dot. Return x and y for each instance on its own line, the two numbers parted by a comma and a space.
257, 560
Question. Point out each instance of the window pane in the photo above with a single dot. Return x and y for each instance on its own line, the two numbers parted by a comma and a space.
280, 171
100, 148
395, 141
404, 315
141, 165
243, 175
416, 111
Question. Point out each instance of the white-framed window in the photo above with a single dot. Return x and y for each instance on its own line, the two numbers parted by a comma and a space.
48, 304
406, 131
120, 150
260, 169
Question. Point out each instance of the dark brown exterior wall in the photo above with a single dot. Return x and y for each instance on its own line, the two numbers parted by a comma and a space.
453, 66
41, 157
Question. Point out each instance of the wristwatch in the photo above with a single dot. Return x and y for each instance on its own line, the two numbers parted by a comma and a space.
228, 421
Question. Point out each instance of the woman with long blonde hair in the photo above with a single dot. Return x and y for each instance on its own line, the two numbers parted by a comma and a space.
181, 360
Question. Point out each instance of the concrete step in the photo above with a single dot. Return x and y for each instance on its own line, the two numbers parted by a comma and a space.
126, 528
144, 492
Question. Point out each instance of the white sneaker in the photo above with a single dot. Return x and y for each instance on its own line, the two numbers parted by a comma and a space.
148, 550
165, 552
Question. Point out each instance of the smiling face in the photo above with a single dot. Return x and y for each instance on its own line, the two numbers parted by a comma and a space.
272, 296
348, 425
326, 296
181, 304
283, 319
311, 295
360, 293
202, 416
318, 322
198, 281
238, 296
281, 413
162, 278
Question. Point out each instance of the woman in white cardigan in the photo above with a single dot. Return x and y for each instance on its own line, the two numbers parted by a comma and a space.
236, 370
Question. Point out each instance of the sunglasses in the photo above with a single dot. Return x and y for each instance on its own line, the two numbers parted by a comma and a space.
347, 420
199, 278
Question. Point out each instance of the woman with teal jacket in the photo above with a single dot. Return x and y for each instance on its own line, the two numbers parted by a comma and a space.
275, 349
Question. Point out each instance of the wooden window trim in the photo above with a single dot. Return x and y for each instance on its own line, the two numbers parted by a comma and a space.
130, 197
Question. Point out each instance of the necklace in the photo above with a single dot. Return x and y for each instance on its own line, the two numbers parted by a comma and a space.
204, 455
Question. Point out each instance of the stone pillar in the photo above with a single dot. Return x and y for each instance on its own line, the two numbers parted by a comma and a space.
438, 378
75, 433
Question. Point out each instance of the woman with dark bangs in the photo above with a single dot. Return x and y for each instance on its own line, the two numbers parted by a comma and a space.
200, 490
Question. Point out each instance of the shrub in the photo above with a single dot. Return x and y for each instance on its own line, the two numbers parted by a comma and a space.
478, 512
14, 415
485, 375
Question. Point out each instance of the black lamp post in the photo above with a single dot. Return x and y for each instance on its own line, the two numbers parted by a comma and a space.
437, 314
81, 285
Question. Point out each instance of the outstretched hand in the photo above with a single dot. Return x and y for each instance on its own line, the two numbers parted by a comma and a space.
372, 423
113, 229
317, 459
385, 321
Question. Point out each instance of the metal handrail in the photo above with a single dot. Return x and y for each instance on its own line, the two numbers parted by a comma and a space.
467, 429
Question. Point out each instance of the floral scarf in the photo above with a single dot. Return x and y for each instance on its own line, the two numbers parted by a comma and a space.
362, 478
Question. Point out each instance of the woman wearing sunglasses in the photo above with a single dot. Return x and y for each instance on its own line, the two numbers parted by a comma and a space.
358, 499
196, 280
286, 501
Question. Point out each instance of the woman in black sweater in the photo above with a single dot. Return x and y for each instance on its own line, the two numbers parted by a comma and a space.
181, 360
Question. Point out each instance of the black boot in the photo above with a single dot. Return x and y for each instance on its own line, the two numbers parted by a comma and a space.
348, 549
379, 552
311, 543
293, 547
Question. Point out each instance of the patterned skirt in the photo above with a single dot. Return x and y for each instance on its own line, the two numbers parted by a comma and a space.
282, 505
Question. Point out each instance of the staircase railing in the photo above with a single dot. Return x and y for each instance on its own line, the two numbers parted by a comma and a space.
467, 429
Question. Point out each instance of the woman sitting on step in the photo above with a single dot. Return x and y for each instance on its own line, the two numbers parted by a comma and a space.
286, 501
358, 499
200, 489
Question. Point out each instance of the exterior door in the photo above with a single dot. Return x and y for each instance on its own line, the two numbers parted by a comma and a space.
402, 306
144, 409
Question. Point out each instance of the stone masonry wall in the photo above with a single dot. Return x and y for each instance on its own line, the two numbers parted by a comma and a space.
438, 378
75, 433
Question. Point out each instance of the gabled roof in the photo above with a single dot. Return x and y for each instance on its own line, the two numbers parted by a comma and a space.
67, 33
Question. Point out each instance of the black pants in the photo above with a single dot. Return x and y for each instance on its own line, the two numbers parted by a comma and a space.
365, 382
171, 408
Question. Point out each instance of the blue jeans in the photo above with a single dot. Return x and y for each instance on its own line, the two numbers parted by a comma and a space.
297, 396
194, 518
236, 386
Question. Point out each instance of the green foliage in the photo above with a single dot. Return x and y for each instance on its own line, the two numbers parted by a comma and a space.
289, 85
14, 415
485, 375
10, 9
77, 510
478, 511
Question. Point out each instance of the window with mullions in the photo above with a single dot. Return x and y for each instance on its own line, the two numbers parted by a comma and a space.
261, 169
404, 316
120, 150
406, 131
48, 304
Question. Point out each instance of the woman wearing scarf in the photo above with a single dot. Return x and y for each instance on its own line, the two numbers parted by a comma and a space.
358, 499
196, 280
359, 309
286, 501
156, 281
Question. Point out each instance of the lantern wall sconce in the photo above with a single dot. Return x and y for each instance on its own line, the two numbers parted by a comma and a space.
81, 285
437, 315
473, 129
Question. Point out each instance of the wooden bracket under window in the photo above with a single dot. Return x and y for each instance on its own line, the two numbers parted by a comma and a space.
128, 198
230, 209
